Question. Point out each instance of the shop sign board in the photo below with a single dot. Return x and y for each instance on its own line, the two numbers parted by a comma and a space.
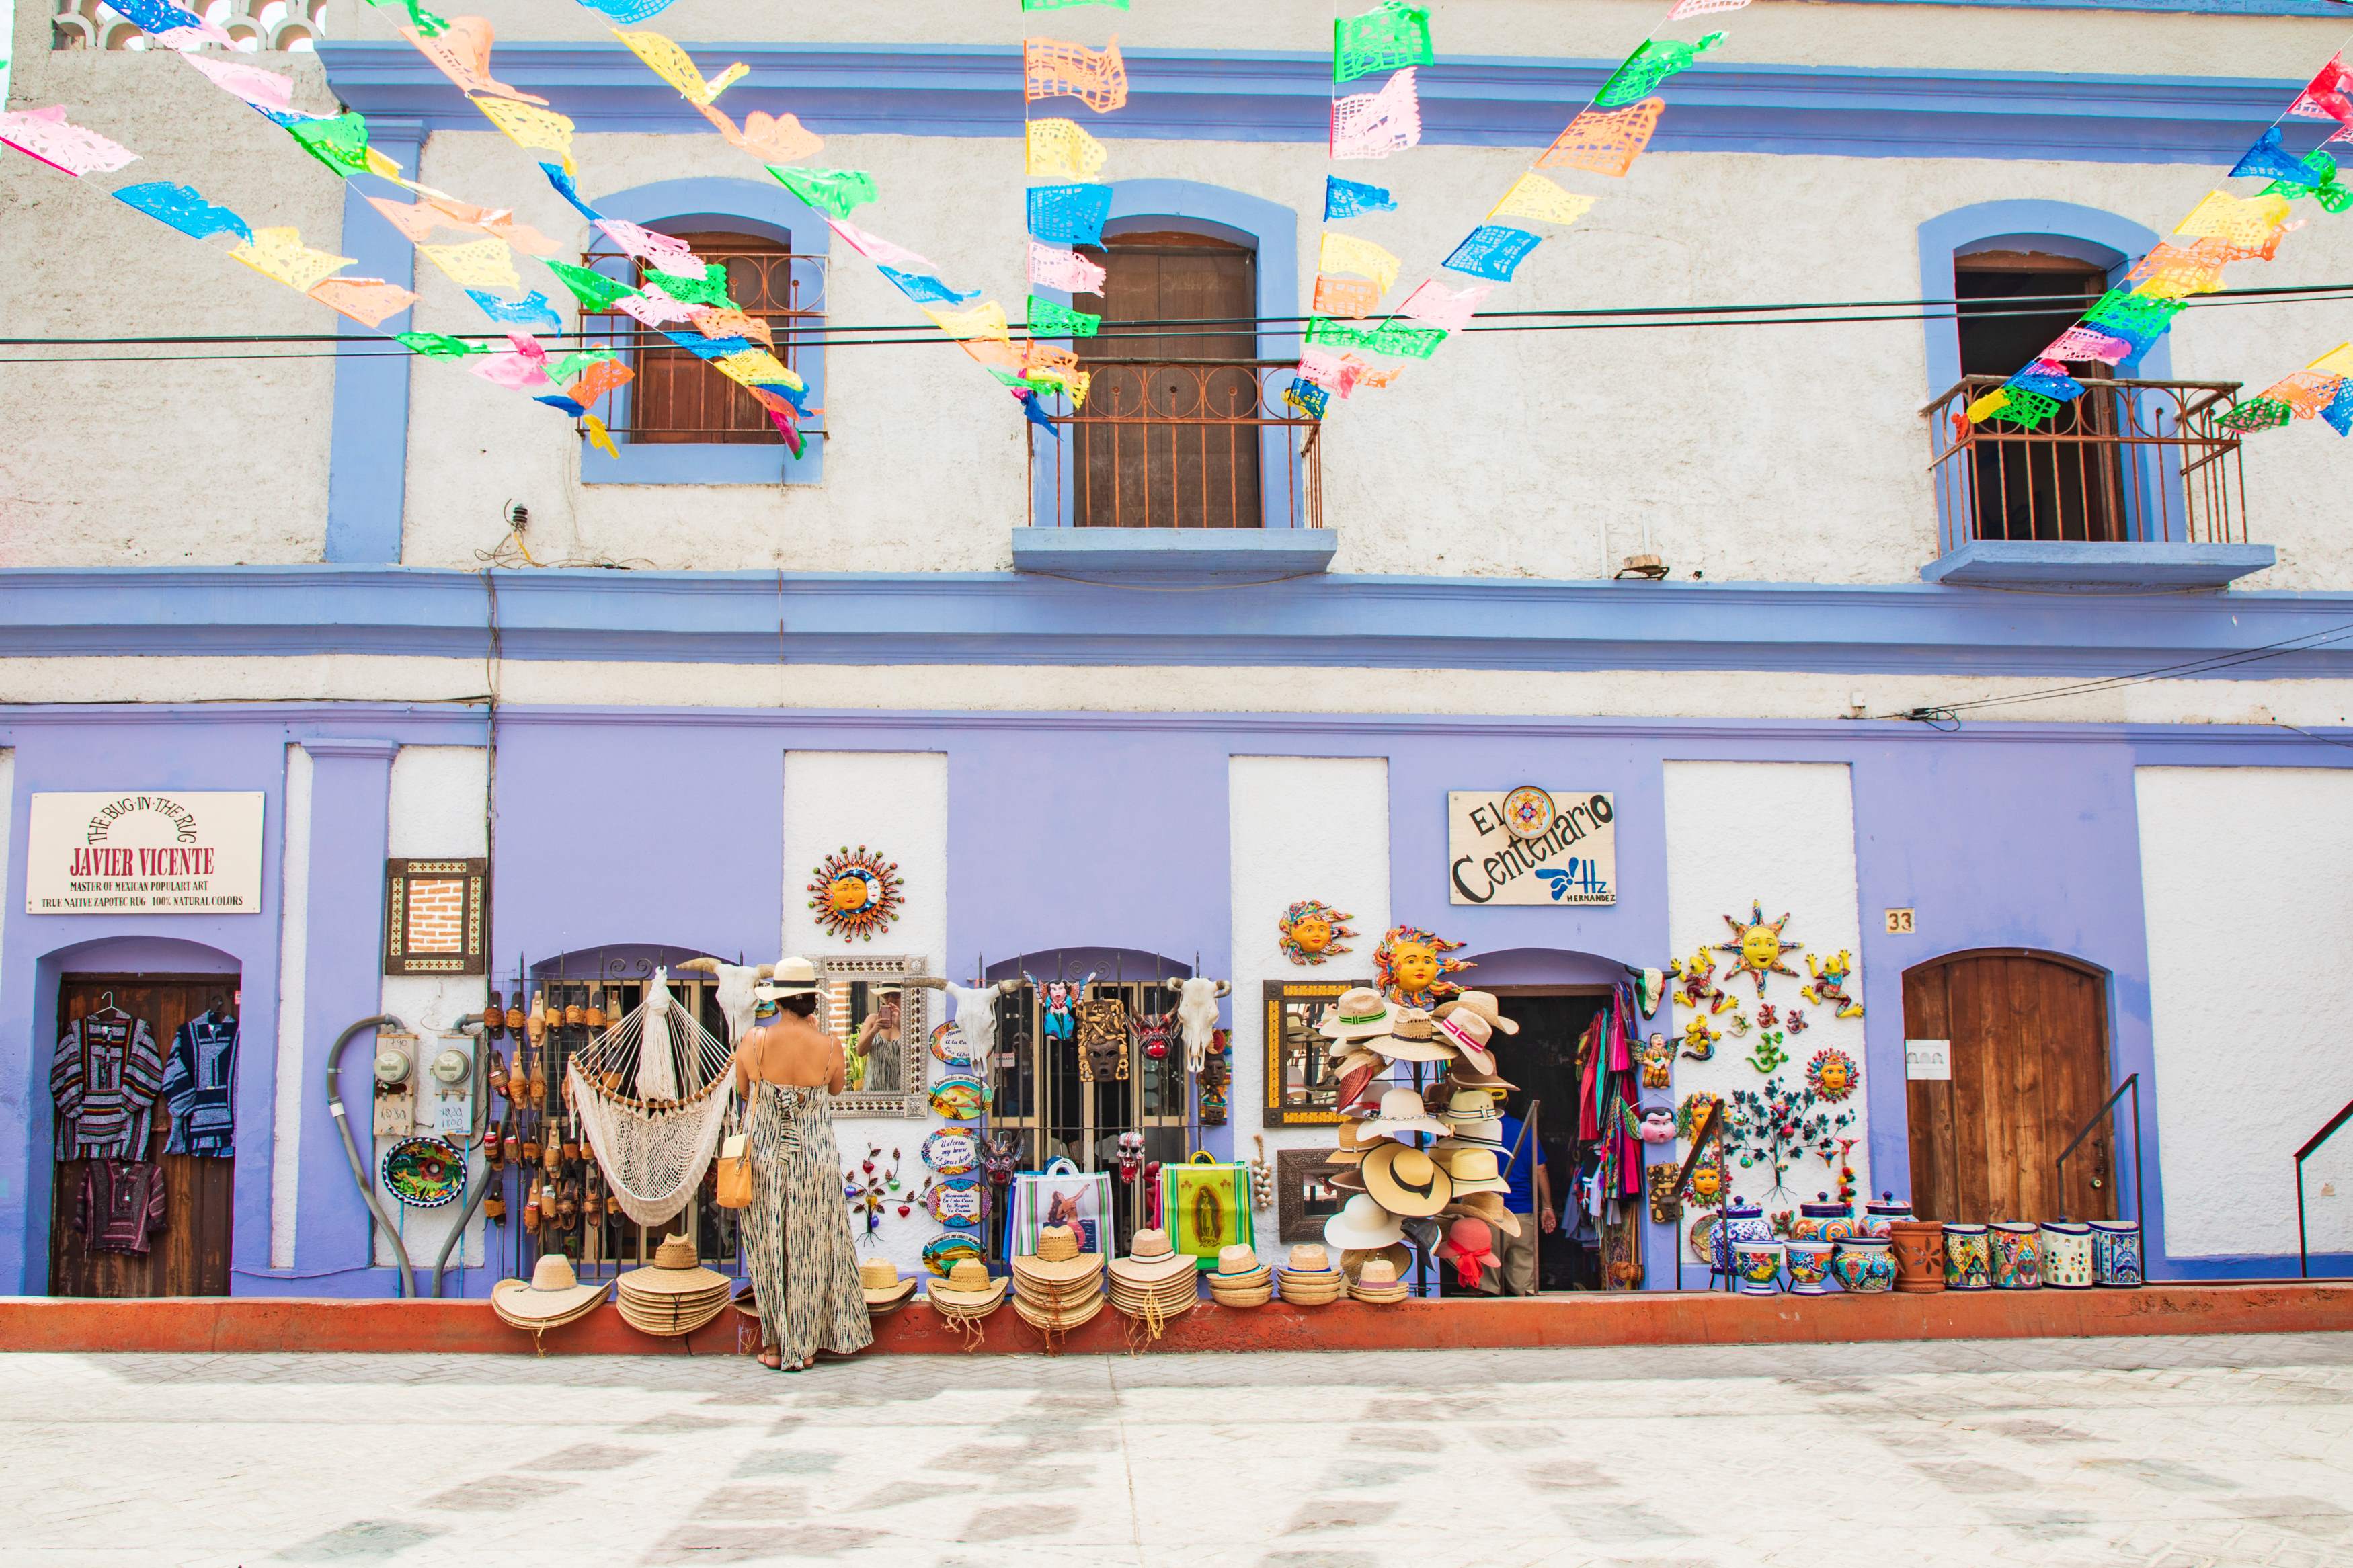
1927, 1059
1574, 860
150, 853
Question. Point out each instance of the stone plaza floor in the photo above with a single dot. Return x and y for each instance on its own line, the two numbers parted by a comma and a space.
2160, 1453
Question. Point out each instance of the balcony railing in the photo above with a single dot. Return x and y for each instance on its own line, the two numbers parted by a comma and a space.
2130, 460
1180, 443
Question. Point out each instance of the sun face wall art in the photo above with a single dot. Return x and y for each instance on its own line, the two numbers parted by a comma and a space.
856, 893
1312, 931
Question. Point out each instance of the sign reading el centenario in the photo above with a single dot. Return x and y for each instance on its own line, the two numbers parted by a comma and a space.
153, 854
1573, 861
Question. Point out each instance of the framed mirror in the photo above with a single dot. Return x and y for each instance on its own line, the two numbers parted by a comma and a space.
884, 1028
1299, 1087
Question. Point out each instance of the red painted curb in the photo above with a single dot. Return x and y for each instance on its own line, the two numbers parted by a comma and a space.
1652, 1318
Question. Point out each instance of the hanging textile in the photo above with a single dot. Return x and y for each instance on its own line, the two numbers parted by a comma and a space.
200, 1088
105, 1081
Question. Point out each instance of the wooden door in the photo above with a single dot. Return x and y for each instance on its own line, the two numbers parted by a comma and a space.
2030, 1054
189, 1257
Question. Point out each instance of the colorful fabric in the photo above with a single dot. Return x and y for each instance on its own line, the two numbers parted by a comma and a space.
926, 290
1375, 124
200, 1088
1605, 141
531, 311
1493, 250
801, 1255
1047, 319
839, 191
46, 134
1057, 268
184, 209
1533, 197
1052, 67
1648, 66
120, 1206
1388, 338
1069, 215
1352, 198
1062, 149
105, 1080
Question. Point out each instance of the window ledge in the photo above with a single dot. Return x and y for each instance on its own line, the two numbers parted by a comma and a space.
2065, 566
1207, 553
703, 463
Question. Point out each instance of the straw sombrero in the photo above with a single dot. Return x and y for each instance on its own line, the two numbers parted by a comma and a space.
1151, 1265
552, 1297
967, 1292
1488, 1135
1469, 1034
1362, 1225
1470, 1105
1474, 1170
1359, 1014
1412, 1038
1406, 1182
1399, 1257
1484, 1005
1462, 1075
1059, 1320
885, 1292
1350, 1150
1309, 1278
674, 1295
1241, 1279
1377, 1282
1402, 1115
1057, 1266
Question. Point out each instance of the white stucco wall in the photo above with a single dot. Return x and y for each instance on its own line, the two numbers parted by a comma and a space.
1781, 833
1298, 827
2243, 873
895, 803
293, 952
438, 802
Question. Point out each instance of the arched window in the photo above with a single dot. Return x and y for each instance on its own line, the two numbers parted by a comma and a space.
678, 396
2013, 300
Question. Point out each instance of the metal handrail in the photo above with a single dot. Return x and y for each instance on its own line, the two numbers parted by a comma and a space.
2131, 1085
2303, 1251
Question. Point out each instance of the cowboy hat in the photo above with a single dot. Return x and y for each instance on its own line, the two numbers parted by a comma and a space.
1474, 1170
793, 976
1401, 1116
880, 1282
1406, 1181
1462, 1075
1362, 1225
1412, 1039
968, 1287
553, 1298
1483, 1004
1486, 1206
1359, 1014
1471, 1135
1468, 1033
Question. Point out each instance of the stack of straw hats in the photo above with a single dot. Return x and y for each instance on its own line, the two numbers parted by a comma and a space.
1153, 1283
1377, 1282
966, 1296
674, 1296
553, 1298
1241, 1279
1058, 1287
885, 1292
1312, 1279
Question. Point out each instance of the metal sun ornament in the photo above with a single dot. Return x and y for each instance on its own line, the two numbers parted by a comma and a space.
856, 893
1410, 966
1312, 931
1759, 946
1832, 1075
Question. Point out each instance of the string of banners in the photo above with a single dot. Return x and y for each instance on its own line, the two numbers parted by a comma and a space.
2223, 228
1352, 275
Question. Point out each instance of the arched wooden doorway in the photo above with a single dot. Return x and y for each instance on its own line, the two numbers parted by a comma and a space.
2029, 1046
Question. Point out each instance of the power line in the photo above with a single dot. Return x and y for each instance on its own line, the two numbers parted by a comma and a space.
2302, 642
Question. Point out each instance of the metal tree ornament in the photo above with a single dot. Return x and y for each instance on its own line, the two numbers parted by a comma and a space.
856, 893
1776, 1127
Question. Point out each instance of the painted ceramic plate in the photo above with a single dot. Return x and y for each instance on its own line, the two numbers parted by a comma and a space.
952, 1153
1527, 812
942, 1252
956, 1202
959, 1099
949, 1045
425, 1172
1702, 1237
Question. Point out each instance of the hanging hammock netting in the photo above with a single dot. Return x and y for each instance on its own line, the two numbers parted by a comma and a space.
652, 1092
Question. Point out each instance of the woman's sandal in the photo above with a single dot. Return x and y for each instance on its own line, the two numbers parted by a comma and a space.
773, 1359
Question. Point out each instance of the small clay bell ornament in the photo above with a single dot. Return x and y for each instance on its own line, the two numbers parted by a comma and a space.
514, 1017
538, 1020
539, 1077
530, 1206
518, 1077
531, 1149
595, 1015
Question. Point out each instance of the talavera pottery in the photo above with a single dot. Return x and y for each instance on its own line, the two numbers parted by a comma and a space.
1823, 1220
1879, 1217
2115, 1253
2017, 1255
1863, 1264
1919, 1248
1810, 1266
1757, 1265
1968, 1262
2066, 1255
1747, 1222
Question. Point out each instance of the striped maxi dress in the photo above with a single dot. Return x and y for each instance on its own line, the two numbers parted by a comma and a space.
803, 1264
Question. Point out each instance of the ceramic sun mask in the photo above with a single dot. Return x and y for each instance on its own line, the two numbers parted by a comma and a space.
1759, 947
1411, 967
1311, 932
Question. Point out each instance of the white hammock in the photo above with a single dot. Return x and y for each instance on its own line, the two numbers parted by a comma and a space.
653, 1148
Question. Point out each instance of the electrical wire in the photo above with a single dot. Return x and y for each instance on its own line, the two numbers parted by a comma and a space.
1948, 715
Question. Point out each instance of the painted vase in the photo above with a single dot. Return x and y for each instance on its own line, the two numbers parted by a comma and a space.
1810, 1265
2017, 1255
1741, 1222
1757, 1265
1823, 1220
1969, 1260
1919, 1248
2115, 1253
1878, 1218
1864, 1264
2066, 1255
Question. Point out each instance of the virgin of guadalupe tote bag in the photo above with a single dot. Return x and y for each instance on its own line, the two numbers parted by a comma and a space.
1207, 1206
1061, 1194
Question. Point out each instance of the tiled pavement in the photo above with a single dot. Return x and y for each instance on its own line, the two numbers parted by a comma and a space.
2160, 1453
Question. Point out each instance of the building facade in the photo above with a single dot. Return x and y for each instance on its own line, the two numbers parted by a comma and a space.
2056, 755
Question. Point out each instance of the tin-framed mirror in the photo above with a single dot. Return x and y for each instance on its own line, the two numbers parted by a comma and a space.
1301, 1090
884, 1028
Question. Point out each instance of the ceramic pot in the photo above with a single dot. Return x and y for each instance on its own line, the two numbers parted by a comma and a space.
2066, 1255
1757, 1265
2115, 1253
1864, 1264
1810, 1266
1919, 1248
1822, 1221
1878, 1218
2017, 1255
1746, 1222
1969, 1260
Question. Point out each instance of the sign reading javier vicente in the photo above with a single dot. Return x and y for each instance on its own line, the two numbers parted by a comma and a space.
1573, 860
151, 854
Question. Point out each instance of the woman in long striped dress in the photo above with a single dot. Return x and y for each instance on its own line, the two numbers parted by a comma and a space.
803, 1263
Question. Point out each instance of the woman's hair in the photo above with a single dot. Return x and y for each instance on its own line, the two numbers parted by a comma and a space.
806, 1004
